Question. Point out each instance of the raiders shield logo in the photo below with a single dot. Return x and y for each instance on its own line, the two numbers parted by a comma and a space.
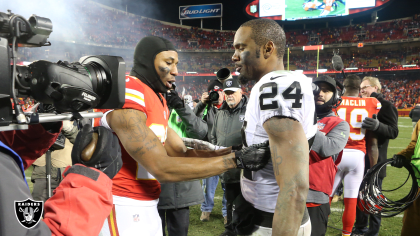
29, 212
241, 118
229, 83
253, 9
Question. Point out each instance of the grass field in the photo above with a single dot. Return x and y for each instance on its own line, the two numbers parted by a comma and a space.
390, 226
295, 10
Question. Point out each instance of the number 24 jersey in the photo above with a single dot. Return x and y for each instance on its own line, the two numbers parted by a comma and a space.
278, 93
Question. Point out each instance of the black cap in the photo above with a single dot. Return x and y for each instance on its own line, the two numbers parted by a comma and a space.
326, 79
214, 85
231, 84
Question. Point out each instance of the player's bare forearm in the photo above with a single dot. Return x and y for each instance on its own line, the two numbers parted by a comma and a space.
290, 157
206, 153
372, 149
143, 145
175, 147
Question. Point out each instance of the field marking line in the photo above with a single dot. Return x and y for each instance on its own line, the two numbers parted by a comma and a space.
340, 210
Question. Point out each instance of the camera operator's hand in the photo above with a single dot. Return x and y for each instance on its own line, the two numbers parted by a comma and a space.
399, 161
205, 98
254, 157
371, 123
173, 100
98, 148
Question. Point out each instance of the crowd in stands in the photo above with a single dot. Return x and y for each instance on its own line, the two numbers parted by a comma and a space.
402, 91
379, 31
111, 27
385, 59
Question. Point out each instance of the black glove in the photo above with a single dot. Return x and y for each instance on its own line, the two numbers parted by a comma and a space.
106, 153
254, 157
371, 123
236, 147
399, 161
173, 100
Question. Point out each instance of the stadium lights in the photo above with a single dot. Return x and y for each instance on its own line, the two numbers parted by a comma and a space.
352, 68
409, 66
188, 72
322, 70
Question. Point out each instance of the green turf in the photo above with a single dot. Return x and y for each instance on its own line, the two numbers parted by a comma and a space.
390, 226
295, 10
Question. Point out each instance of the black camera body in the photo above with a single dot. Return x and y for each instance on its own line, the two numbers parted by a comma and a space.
214, 97
92, 82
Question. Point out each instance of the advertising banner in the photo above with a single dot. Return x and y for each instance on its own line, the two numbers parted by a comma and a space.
200, 11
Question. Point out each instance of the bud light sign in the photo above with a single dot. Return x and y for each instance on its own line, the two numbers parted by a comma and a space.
200, 11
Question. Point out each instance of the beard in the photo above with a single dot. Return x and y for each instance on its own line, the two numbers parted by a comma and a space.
243, 79
230, 102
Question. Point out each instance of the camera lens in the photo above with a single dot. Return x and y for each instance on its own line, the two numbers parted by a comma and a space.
214, 96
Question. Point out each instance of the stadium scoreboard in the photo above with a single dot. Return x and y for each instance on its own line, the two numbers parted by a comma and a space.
292, 10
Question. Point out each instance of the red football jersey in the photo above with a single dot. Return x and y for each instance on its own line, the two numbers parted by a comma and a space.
133, 181
354, 110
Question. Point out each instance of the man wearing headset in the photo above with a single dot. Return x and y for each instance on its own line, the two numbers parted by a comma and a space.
326, 152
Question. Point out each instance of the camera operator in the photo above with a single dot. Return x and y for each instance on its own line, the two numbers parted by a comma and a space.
60, 159
80, 203
176, 198
227, 132
385, 128
326, 151
207, 109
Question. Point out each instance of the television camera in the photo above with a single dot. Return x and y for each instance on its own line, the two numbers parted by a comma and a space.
92, 82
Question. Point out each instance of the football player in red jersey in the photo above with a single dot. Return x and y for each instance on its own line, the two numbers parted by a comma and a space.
152, 152
354, 110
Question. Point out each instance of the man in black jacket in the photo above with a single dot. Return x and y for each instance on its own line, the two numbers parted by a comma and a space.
415, 115
175, 199
385, 127
226, 132
207, 110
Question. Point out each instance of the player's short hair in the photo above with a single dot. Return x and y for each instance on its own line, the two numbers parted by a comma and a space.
352, 82
373, 81
265, 30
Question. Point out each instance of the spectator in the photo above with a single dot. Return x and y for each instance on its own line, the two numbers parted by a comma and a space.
208, 109
385, 127
176, 198
226, 132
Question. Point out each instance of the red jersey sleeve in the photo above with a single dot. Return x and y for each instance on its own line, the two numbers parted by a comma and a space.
134, 95
374, 106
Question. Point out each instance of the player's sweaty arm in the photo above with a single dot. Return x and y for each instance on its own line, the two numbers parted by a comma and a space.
175, 147
372, 148
143, 145
290, 156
